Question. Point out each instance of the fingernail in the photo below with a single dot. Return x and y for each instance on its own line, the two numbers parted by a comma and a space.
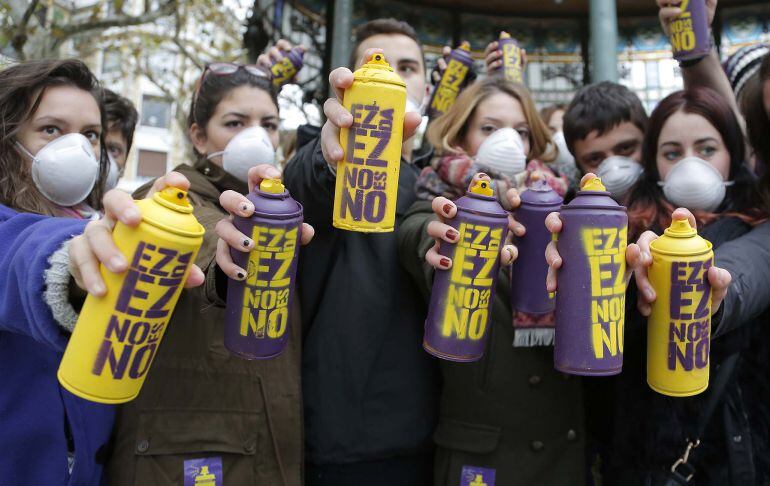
240, 275
452, 234
520, 228
247, 243
447, 207
132, 213
117, 263
445, 262
273, 173
97, 288
481, 174
557, 261
337, 154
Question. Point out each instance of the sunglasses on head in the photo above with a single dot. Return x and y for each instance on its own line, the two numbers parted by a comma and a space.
226, 69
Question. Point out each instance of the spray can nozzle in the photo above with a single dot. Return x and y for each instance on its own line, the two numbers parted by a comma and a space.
272, 186
483, 188
594, 184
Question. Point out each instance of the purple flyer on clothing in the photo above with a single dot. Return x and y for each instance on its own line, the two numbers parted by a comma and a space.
206, 471
476, 476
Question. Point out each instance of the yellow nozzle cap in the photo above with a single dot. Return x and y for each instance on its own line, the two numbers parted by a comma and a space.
272, 186
505, 35
594, 184
465, 45
680, 228
173, 198
483, 188
378, 60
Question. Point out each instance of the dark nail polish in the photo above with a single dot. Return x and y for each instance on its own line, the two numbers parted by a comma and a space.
444, 262
246, 243
240, 275
447, 208
452, 234
244, 208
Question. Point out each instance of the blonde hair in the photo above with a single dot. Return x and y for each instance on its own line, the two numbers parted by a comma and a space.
447, 132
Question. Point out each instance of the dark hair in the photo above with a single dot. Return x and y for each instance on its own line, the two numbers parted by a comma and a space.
121, 114
650, 207
21, 89
758, 122
382, 26
213, 88
547, 112
601, 107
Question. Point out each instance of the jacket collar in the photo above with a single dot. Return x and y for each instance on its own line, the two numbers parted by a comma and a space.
219, 178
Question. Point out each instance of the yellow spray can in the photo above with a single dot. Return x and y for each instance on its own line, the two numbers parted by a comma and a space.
679, 327
118, 335
367, 176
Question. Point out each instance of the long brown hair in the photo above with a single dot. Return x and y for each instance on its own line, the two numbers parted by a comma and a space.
21, 89
649, 207
758, 123
447, 132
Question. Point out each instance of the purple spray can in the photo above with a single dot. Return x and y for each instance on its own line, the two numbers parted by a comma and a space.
459, 66
462, 297
513, 61
689, 32
590, 301
284, 69
257, 313
529, 271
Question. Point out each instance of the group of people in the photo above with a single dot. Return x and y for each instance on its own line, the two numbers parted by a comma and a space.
354, 399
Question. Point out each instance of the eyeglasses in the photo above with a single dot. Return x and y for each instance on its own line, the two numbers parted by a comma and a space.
226, 69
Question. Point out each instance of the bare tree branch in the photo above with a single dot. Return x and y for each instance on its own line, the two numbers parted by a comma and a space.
123, 20
20, 36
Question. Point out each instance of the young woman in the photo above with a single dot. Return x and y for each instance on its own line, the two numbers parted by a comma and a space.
693, 156
52, 163
510, 416
201, 405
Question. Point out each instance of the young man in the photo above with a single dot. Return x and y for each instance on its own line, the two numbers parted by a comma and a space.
369, 389
607, 120
122, 118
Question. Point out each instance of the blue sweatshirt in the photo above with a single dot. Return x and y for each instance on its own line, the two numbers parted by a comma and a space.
38, 418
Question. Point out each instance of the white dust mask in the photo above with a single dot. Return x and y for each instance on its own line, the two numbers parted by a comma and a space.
250, 147
113, 176
564, 157
65, 169
619, 174
503, 151
694, 184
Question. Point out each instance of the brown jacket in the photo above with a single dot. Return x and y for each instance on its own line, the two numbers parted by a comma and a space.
199, 401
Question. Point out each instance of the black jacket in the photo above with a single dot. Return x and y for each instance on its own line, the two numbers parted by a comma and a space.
641, 433
370, 391
511, 411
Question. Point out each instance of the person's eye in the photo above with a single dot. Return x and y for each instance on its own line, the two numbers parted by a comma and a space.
51, 130
523, 133
92, 135
671, 155
594, 161
234, 124
488, 129
707, 151
270, 126
408, 69
115, 151
626, 149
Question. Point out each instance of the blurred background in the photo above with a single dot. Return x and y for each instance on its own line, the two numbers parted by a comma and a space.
152, 51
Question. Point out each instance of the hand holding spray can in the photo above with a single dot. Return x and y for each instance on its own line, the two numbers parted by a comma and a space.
689, 32
513, 61
459, 65
590, 301
461, 299
284, 69
118, 335
679, 327
257, 314
367, 175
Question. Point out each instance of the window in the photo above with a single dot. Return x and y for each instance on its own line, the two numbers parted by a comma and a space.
155, 112
151, 164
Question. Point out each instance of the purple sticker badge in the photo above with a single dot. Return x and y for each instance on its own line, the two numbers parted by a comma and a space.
476, 476
206, 471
